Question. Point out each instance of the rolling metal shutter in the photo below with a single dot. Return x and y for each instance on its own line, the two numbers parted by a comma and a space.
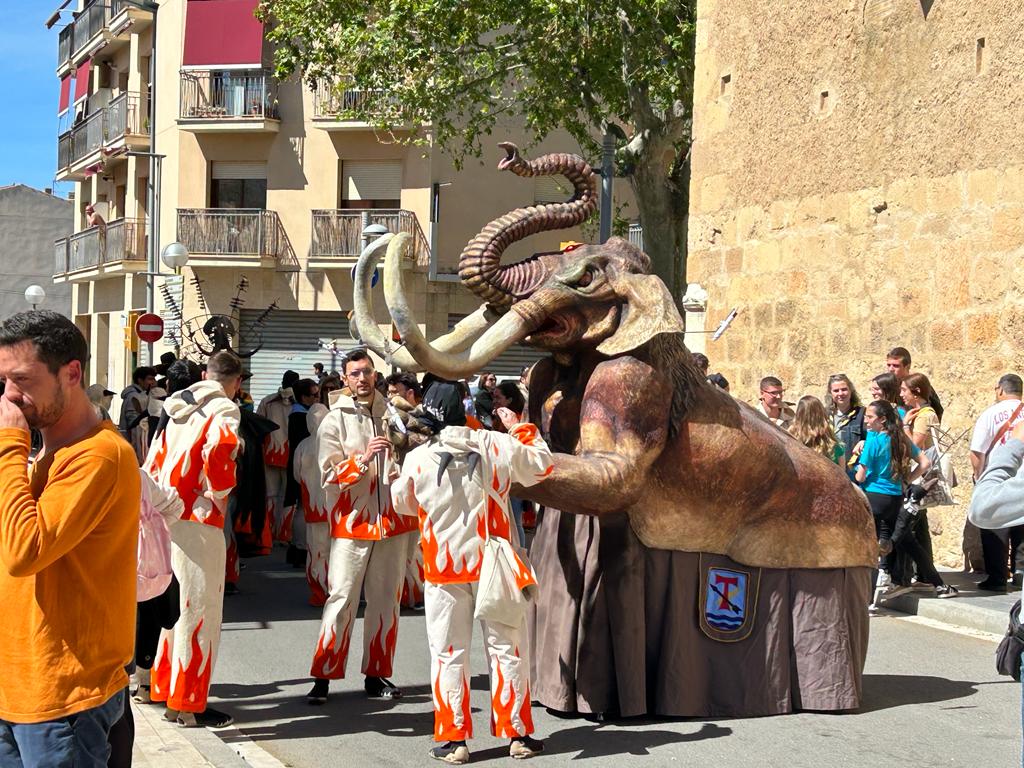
371, 180
511, 361
223, 170
291, 341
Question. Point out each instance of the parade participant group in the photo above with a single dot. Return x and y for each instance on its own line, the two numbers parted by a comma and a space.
670, 573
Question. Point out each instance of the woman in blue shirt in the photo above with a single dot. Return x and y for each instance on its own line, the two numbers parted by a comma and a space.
882, 468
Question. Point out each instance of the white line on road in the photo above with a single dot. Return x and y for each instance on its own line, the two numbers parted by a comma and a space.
933, 624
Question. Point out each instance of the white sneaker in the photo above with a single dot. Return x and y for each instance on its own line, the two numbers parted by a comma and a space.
893, 590
884, 580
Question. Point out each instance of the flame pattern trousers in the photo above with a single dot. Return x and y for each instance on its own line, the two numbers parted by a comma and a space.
318, 552
377, 568
279, 518
449, 615
187, 652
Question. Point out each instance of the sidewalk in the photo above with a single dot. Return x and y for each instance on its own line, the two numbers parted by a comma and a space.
159, 744
972, 608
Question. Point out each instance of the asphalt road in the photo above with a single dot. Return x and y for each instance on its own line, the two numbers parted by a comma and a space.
932, 698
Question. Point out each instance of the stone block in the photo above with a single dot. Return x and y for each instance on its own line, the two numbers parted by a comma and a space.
714, 192
785, 312
750, 223
947, 336
983, 187
1011, 186
763, 315
908, 193
780, 214
1008, 227
988, 278
796, 283
762, 256
732, 260
983, 330
944, 194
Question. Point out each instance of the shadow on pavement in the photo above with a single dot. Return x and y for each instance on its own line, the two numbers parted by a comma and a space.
591, 741
889, 691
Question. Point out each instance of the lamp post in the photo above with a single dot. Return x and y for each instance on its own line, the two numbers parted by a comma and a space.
174, 256
35, 295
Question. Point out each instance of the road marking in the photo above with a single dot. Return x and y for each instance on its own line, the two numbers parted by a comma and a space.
247, 749
933, 624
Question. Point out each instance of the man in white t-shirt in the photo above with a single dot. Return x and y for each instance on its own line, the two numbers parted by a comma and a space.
993, 428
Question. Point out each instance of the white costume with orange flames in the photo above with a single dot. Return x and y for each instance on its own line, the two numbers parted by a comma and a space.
314, 508
195, 456
277, 407
368, 547
457, 509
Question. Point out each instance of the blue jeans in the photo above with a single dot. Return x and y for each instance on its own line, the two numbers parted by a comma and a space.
75, 741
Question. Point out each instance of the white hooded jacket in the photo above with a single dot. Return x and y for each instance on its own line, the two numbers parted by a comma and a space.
195, 454
307, 471
458, 486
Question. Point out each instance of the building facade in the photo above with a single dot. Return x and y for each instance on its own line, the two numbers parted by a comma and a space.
257, 178
30, 220
858, 184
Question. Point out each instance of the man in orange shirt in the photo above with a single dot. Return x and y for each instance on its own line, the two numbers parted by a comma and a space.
69, 527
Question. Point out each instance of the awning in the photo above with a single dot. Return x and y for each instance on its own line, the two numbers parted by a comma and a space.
222, 33
82, 80
65, 94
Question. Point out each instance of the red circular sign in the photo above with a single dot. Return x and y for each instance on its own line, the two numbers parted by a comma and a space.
149, 327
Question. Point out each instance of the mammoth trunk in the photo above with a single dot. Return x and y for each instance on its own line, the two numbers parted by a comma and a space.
480, 263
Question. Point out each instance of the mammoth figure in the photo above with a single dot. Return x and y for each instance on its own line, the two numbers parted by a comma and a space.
693, 559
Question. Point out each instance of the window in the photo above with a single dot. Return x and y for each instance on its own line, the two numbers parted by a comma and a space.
238, 185
371, 184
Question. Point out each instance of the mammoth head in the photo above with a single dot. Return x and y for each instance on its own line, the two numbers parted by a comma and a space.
590, 297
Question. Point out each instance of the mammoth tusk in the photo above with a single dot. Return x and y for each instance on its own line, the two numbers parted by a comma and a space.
448, 364
460, 337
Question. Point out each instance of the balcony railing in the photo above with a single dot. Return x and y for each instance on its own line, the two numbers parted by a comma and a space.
60, 253
339, 233
64, 150
125, 241
231, 231
88, 136
636, 235
64, 40
123, 117
228, 95
332, 101
116, 6
116, 241
90, 23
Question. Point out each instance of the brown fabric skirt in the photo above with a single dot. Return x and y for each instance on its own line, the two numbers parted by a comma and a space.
617, 628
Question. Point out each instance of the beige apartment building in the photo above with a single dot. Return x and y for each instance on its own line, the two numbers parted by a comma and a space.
255, 177
858, 184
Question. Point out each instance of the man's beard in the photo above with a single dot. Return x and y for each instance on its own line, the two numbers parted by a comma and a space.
49, 415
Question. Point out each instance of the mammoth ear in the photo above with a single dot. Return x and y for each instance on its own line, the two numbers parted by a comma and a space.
647, 310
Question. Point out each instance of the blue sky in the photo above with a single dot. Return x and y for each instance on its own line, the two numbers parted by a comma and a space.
28, 123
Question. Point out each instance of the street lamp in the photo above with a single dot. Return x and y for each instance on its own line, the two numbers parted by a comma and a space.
174, 256
34, 295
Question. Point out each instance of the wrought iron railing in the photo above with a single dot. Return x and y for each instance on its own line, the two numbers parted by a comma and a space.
228, 94
335, 100
125, 241
123, 117
90, 22
84, 249
636, 235
231, 231
60, 256
339, 233
88, 136
64, 150
64, 40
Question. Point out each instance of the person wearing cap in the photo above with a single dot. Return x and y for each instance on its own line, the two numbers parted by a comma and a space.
277, 407
100, 397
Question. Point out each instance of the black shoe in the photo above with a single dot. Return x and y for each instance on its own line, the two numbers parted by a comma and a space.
208, 718
990, 585
454, 752
381, 688
295, 557
230, 588
522, 747
318, 693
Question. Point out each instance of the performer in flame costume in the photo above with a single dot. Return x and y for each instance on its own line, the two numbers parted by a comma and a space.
368, 546
277, 407
458, 485
314, 508
195, 456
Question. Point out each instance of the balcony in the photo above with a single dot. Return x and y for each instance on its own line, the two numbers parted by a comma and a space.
228, 100
89, 24
112, 249
333, 104
100, 137
64, 41
338, 235
233, 237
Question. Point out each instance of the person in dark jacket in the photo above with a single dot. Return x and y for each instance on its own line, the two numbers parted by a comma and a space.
847, 414
306, 392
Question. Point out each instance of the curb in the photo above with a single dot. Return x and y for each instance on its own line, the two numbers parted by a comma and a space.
956, 611
160, 744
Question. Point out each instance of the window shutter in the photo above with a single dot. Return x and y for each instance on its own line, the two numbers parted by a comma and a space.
371, 180
224, 170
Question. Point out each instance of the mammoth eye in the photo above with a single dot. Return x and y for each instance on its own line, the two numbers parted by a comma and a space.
585, 279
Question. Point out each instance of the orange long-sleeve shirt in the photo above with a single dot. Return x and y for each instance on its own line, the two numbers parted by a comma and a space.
68, 545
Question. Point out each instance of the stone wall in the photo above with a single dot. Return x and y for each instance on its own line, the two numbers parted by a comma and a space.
858, 183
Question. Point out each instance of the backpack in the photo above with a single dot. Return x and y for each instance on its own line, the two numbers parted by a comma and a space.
1008, 654
154, 572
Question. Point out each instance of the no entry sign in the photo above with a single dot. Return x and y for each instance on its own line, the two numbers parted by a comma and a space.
149, 327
